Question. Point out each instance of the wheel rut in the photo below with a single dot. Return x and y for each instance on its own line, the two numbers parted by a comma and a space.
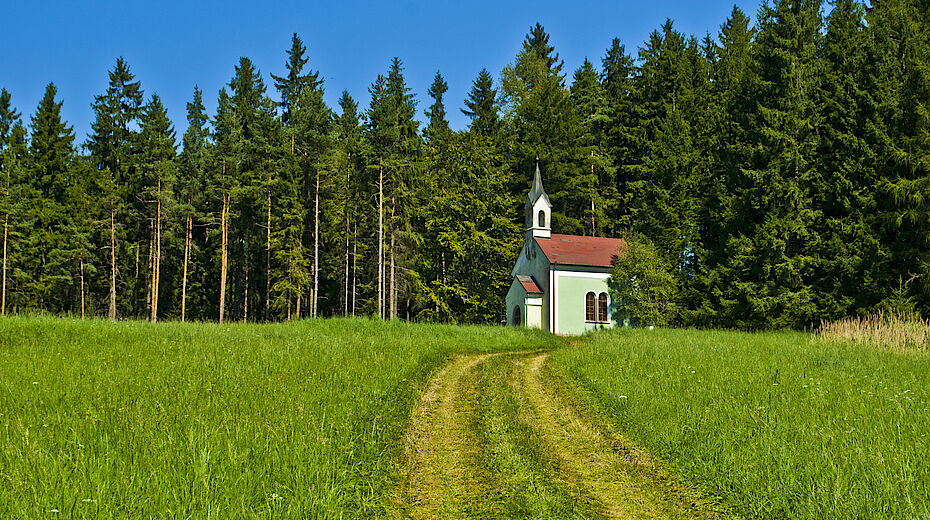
502, 436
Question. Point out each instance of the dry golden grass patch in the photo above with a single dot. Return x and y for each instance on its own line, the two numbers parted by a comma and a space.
908, 333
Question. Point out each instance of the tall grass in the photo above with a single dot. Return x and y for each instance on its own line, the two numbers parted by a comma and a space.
889, 331
779, 425
134, 420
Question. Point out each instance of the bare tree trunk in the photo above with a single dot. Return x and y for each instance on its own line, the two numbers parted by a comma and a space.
593, 227
316, 247
187, 254
345, 212
443, 279
112, 312
156, 260
245, 296
224, 252
393, 286
393, 291
81, 259
354, 269
345, 300
151, 271
134, 297
268, 253
299, 294
381, 241
6, 224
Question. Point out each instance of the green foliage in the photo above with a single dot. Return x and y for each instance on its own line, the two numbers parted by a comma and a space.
541, 122
437, 127
482, 105
780, 168
641, 284
47, 249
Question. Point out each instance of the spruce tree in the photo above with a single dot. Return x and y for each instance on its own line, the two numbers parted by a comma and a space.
50, 161
482, 105
541, 122
773, 223
12, 155
591, 106
899, 53
112, 145
851, 279
189, 191
347, 214
222, 186
392, 132
291, 85
622, 110
437, 127
158, 169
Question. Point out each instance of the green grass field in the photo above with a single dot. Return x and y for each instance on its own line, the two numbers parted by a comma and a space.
779, 425
133, 420
307, 420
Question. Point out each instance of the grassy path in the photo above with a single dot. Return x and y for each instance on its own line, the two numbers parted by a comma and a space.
500, 436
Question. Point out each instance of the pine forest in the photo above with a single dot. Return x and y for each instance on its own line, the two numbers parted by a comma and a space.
782, 168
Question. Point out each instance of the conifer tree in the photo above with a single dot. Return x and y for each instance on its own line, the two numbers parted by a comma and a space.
617, 78
482, 105
853, 258
899, 54
224, 165
250, 144
347, 213
590, 103
112, 147
541, 122
437, 127
292, 85
12, 154
50, 161
189, 191
773, 226
158, 171
393, 134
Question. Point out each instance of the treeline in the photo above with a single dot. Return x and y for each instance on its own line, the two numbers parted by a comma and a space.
782, 168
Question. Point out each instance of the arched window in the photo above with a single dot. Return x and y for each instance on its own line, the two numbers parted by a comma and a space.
602, 308
517, 316
590, 310
542, 218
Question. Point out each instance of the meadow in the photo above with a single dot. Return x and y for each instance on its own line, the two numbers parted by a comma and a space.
308, 419
777, 425
298, 420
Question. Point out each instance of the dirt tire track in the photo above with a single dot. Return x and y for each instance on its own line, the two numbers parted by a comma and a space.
444, 476
595, 463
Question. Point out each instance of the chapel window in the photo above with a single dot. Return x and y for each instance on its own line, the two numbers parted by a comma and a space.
542, 218
602, 308
517, 316
589, 307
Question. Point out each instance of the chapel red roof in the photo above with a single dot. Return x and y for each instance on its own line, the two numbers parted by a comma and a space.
578, 250
528, 283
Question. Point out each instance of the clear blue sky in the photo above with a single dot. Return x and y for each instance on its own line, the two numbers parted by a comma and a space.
172, 46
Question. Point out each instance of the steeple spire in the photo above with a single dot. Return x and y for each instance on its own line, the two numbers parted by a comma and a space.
538, 208
537, 190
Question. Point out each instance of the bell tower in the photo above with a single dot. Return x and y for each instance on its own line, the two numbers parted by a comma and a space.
538, 210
